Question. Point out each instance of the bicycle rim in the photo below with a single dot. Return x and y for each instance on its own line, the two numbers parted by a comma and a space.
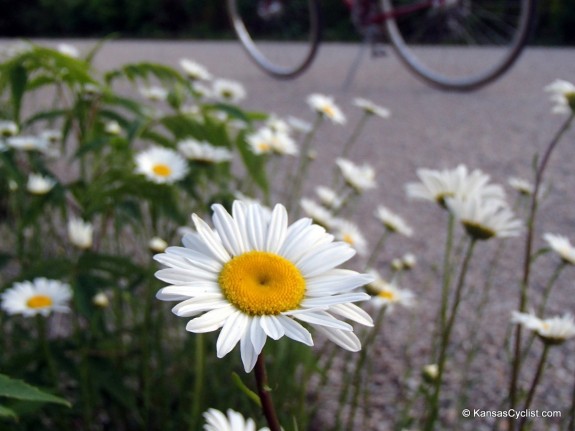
281, 36
459, 44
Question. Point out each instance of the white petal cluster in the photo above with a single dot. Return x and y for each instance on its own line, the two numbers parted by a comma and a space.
266, 140
388, 294
361, 178
80, 233
39, 296
154, 93
326, 107
8, 128
371, 108
228, 90
347, 231
392, 221
195, 71
202, 151
317, 212
562, 246
521, 185
161, 165
231, 421
562, 96
554, 330
39, 184
328, 197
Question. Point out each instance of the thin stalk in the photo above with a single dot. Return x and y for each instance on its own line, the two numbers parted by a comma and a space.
43, 336
516, 365
571, 426
549, 287
355, 134
536, 379
264, 393
199, 378
377, 249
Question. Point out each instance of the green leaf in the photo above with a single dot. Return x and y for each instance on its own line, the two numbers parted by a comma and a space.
20, 390
18, 80
242, 387
5, 412
255, 164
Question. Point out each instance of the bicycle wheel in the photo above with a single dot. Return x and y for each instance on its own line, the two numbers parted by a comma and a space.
281, 36
458, 44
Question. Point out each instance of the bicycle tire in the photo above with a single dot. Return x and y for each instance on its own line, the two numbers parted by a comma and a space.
432, 42
281, 36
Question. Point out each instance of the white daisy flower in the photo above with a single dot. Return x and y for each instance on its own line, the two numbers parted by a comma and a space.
326, 107
39, 184
318, 213
265, 141
430, 372
101, 300
8, 129
80, 233
233, 421
328, 197
154, 93
349, 232
39, 296
27, 143
299, 125
521, 185
202, 91
69, 50
384, 293
360, 178
161, 165
204, 152
554, 330
195, 71
392, 222
483, 219
276, 124
254, 276
562, 246
371, 108
157, 244
52, 137
113, 128
562, 96
229, 91
409, 260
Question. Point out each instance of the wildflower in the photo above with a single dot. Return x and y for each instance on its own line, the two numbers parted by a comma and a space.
52, 137
384, 293
101, 300
328, 197
27, 143
254, 276
277, 125
358, 177
161, 165
8, 129
562, 95
234, 421
562, 246
266, 141
522, 186
483, 219
318, 213
349, 232
371, 108
113, 128
552, 331
69, 50
80, 233
203, 151
408, 260
326, 107
154, 93
195, 71
157, 245
229, 91
202, 91
430, 372
392, 222
39, 184
39, 296
299, 125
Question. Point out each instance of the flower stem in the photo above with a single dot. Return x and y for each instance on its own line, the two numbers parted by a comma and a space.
358, 128
264, 393
536, 378
198, 381
377, 249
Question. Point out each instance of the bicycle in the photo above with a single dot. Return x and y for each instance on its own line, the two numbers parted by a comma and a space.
431, 37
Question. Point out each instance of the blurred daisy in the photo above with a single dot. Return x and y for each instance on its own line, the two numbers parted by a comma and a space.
154, 93
562, 96
371, 108
202, 151
358, 177
255, 277
113, 128
234, 421
554, 330
161, 165
483, 219
27, 143
195, 71
80, 233
278, 125
69, 50
326, 107
318, 213
562, 246
39, 184
202, 91
299, 125
409, 260
328, 197
8, 128
52, 137
430, 372
349, 232
39, 296
522, 186
265, 140
157, 245
101, 300
229, 91
384, 293
392, 222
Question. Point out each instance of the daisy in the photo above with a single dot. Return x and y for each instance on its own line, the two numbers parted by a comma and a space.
430, 372
522, 186
154, 93
254, 276
203, 151
101, 300
80, 233
483, 219
409, 260
371, 108
562, 246
349, 232
328, 197
384, 293
8, 129
318, 213
39, 296
69, 50
27, 143
562, 95
195, 71
554, 330
157, 244
229, 91
39, 184
202, 91
326, 107
358, 177
161, 165
234, 421
113, 128
265, 140
392, 222
276, 124
52, 137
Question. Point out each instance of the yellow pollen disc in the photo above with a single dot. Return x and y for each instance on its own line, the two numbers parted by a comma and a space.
264, 147
348, 238
162, 170
39, 301
386, 294
328, 111
262, 283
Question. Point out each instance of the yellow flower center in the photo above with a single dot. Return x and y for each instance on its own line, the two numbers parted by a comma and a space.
162, 170
262, 283
386, 294
264, 147
39, 301
328, 111
348, 238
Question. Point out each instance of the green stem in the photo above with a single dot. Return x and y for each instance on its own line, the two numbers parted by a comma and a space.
264, 393
536, 379
353, 138
549, 287
377, 249
43, 336
199, 377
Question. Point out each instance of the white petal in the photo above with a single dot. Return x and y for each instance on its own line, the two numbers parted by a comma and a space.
336, 281
193, 241
256, 227
272, 327
173, 260
303, 241
326, 257
257, 335
233, 330
211, 239
193, 306
249, 355
277, 229
295, 331
319, 318
347, 340
327, 301
185, 291
229, 231
352, 312
184, 276
210, 321
203, 260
